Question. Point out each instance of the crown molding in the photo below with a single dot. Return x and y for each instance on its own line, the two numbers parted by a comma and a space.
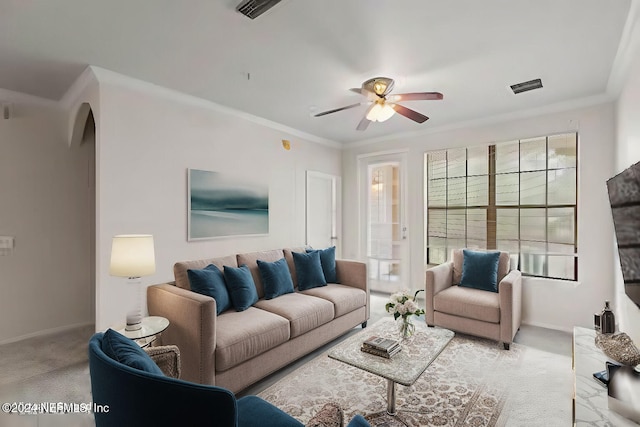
86, 78
489, 120
108, 76
628, 50
9, 96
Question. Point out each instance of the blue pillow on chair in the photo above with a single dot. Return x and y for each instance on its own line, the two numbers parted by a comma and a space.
308, 270
328, 263
126, 351
480, 270
358, 421
241, 287
276, 278
254, 411
210, 281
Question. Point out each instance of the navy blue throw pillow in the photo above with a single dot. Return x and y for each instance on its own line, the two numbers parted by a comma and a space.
241, 287
358, 421
276, 278
126, 351
308, 270
328, 262
210, 281
480, 270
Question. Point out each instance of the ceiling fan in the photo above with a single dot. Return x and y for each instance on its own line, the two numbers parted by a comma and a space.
382, 105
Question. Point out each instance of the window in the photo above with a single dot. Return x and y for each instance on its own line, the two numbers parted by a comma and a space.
517, 196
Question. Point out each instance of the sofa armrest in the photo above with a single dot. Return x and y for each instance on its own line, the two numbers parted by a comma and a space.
438, 278
353, 273
192, 328
510, 291
167, 357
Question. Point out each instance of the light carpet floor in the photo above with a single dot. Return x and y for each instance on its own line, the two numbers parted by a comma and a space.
52, 368
474, 382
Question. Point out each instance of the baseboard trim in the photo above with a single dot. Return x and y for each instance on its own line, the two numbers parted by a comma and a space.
46, 332
549, 326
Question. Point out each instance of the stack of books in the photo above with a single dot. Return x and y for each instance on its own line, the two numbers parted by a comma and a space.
383, 347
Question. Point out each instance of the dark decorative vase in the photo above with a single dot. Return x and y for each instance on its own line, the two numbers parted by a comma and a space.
607, 320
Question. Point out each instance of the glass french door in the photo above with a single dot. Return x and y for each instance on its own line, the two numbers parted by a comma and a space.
386, 236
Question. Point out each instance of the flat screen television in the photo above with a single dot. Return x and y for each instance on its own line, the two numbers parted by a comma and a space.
624, 196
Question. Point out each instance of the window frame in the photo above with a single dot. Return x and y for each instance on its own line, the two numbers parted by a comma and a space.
492, 208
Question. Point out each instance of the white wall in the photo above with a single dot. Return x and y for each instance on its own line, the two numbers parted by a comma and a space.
549, 303
147, 139
44, 204
628, 153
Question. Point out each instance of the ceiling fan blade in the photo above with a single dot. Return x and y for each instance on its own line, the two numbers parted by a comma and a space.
410, 114
324, 113
360, 91
364, 124
416, 96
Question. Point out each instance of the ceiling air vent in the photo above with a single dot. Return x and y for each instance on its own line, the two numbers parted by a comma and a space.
255, 8
525, 86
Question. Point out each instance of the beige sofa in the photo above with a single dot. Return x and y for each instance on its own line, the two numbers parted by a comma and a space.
477, 312
235, 349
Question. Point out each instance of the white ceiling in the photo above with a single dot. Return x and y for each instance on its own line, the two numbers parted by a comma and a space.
303, 55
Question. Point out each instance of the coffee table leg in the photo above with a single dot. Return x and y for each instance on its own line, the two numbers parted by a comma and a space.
391, 398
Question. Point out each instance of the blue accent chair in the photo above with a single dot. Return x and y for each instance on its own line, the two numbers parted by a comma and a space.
138, 398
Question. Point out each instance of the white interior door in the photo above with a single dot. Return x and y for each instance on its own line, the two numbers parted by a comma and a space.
322, 207
385, 242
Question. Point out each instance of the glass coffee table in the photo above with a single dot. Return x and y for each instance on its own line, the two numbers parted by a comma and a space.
418, 352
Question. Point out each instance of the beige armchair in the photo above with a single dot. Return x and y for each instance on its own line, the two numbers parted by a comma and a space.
473, 311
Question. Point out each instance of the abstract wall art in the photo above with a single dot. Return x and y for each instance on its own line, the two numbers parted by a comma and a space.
222, 205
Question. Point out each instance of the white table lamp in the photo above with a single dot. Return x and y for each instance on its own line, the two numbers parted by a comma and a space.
133, 256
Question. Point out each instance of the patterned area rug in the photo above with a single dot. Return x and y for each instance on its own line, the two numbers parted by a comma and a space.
474, 382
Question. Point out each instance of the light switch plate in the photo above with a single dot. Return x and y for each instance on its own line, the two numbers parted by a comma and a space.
7, 244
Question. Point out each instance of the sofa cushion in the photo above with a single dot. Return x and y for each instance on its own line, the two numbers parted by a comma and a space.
276, 278
210, 281
468, 302
241, 287
251, 260
126, 351
242, 336
328, 263
345, 299
180, 268
304, 312
504, 265
309, 270
480, 270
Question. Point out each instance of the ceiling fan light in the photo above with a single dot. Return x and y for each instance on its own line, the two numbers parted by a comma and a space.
374, 112
386, 112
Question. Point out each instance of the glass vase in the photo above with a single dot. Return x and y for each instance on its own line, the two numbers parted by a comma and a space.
406, 327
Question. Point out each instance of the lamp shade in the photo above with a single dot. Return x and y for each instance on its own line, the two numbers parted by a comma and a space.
132, 255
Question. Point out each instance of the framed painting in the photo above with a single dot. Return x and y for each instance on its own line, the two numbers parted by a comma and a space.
222, 205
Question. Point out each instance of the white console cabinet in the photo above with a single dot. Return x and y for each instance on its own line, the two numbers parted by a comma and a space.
590, 407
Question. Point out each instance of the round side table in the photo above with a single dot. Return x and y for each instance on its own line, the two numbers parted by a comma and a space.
152, 327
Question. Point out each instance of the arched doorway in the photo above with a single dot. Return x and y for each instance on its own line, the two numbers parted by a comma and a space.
83, 138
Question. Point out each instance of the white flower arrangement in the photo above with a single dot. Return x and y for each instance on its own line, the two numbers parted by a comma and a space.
401, 304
